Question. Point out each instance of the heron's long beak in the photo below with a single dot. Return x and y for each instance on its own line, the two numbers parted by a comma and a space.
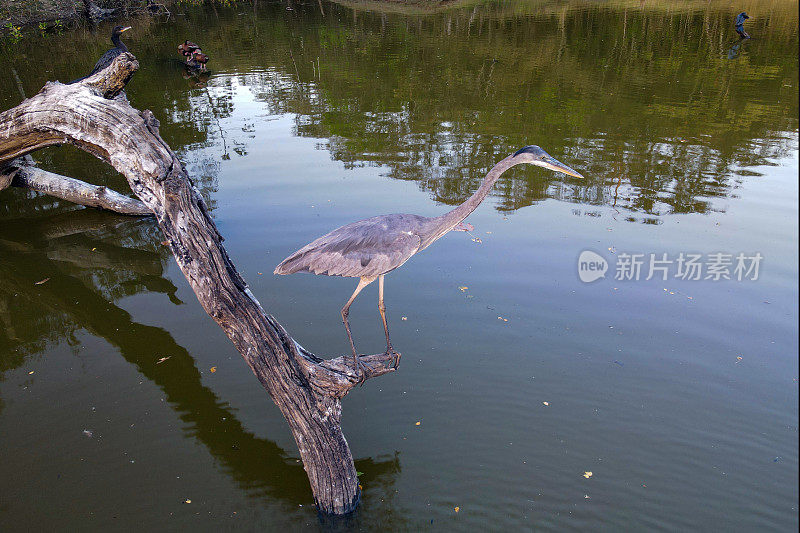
558, 166
126, 28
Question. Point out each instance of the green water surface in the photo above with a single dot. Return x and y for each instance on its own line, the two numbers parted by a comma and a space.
679, 396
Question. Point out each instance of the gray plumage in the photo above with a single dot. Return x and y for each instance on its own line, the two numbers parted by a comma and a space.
367, 248
371, 248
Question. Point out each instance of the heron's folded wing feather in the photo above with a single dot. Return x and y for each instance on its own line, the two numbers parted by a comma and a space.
362, 249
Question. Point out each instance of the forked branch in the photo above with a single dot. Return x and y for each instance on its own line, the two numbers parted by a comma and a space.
94, 116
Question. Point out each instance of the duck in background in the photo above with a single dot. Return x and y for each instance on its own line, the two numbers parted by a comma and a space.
195, 58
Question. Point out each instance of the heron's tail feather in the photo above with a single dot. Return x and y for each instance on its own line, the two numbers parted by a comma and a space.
290, 265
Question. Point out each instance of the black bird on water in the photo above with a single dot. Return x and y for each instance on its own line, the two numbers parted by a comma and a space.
740, 18
111, 54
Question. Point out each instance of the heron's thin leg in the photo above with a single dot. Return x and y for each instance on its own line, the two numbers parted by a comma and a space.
363, 282
382, 311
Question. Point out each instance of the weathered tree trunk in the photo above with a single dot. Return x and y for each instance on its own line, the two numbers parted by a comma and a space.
90, 115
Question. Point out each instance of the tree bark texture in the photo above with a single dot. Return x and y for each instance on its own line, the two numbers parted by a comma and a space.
76, 191
94, 116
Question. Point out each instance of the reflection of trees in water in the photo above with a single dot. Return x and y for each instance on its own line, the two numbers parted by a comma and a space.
645, 101
90, 259
646, 96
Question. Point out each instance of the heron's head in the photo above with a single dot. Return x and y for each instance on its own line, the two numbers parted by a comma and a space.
119, 29
536, 156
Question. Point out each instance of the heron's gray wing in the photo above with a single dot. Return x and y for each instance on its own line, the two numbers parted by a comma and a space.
367, 248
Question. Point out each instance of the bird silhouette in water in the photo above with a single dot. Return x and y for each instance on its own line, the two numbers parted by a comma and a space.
740, 18
111, 54
371, 248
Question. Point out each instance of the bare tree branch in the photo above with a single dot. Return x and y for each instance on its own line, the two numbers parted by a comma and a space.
73, 190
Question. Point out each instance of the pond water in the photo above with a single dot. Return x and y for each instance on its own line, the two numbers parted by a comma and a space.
120, 400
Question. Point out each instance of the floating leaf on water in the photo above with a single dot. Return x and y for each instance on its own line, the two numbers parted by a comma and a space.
45, 280
359, 473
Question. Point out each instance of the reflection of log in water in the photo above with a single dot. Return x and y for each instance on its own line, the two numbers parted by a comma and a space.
258, 465
107, 256
86, 241
89, 221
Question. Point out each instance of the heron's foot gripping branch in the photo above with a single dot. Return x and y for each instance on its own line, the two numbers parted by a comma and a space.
341, 376
334, 377
395, 357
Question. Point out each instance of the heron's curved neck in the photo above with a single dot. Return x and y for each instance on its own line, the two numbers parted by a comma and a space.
450, 220
118, 43
461, 212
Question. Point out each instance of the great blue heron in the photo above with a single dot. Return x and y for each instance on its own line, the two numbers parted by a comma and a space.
371, 248
106, 59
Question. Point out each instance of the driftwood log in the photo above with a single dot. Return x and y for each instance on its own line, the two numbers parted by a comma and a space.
76, 191
95, 116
